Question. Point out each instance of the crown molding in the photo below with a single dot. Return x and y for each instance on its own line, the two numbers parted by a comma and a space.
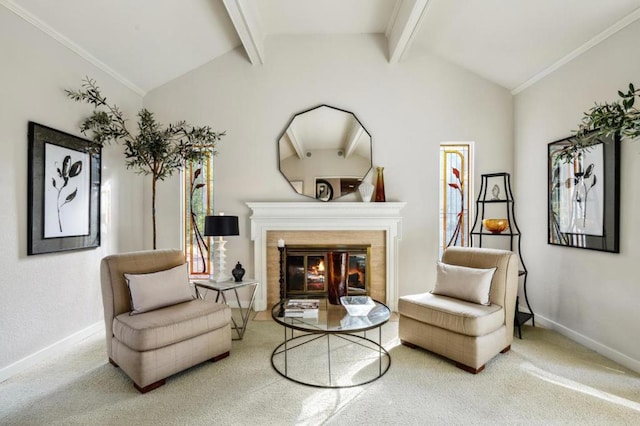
45, 28
624, 22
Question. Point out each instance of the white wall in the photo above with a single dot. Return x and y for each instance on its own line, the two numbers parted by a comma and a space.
408, 108
591, 296
48, 297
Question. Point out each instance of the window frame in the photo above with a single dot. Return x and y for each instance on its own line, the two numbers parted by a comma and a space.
466, 181
190, 177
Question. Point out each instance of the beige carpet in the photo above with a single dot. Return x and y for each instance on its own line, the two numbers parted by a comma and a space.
544, 379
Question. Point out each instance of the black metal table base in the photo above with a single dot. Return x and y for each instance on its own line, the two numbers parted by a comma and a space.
294, 342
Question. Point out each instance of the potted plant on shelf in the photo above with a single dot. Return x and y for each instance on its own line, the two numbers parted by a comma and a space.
606, 121
155, 150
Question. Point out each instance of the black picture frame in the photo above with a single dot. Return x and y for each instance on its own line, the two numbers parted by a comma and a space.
64, 178
584, 196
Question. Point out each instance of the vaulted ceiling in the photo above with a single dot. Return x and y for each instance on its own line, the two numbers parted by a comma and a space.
146, 43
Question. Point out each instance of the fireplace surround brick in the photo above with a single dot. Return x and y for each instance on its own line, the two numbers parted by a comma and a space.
377, 263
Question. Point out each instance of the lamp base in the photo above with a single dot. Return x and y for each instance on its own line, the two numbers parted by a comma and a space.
220, 272
220, 278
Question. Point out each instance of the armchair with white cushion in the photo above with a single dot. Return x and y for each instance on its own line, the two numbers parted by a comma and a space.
154, 325
468, 316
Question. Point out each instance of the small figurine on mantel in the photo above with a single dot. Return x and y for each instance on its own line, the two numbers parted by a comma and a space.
238, 272
366, 191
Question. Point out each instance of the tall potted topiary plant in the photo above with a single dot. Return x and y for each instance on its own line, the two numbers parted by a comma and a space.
155, 150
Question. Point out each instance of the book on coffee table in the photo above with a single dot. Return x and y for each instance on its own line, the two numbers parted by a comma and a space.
302, 308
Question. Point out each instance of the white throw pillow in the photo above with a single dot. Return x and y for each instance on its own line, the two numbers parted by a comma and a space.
469, 284
158, 289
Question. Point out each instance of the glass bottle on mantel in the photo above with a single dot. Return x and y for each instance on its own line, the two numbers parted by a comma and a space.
380, 197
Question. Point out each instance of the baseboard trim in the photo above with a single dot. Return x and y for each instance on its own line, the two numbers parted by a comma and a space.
50, 351
604, 350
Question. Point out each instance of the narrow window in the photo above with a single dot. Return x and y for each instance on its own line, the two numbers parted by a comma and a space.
455, 187
198, 203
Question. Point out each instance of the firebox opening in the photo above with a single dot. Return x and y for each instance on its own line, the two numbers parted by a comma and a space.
305, 274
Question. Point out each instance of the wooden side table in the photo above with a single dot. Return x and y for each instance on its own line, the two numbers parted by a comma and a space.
221, 288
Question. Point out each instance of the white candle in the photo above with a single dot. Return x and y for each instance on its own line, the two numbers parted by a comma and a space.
280, 242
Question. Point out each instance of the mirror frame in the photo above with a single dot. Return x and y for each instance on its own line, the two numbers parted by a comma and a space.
322, 179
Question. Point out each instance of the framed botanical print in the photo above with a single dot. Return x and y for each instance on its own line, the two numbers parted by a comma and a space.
64, 191
584, 196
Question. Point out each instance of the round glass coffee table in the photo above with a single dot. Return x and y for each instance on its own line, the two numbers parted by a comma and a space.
331, 349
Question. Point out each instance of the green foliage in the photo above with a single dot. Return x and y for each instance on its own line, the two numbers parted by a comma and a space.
155, 150
607, 121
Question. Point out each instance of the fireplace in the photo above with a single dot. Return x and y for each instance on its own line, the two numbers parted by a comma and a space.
305, 271
378, 225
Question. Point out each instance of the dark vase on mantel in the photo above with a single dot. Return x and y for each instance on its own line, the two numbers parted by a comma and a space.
337, 270
238, 272
380, 196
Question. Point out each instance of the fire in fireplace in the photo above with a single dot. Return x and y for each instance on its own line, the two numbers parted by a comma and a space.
306, 274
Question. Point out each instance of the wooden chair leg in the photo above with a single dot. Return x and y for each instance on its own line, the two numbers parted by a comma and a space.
469, 369
150, 387
408, 344
219, 357
505, 350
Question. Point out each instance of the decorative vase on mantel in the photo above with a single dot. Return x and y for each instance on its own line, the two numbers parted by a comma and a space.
366, 191
337, 270
380, 197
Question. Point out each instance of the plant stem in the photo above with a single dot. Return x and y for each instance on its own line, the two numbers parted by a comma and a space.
153, 209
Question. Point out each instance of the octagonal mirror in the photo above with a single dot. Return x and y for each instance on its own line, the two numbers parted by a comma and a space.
325, 152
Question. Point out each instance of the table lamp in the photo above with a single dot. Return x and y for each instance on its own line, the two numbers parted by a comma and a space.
220, 226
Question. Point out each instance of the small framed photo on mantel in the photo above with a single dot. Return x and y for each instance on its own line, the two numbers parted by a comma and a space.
63, 191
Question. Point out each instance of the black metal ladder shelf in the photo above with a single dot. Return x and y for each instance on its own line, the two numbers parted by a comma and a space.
478, 232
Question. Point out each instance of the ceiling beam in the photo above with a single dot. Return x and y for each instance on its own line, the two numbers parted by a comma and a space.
353, 138
245, 18
295, 142
403, 26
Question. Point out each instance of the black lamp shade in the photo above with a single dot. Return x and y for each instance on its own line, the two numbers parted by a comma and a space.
219, 226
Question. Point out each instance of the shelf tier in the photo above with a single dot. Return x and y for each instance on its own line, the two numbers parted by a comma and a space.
514, 234
522, 317
493, 201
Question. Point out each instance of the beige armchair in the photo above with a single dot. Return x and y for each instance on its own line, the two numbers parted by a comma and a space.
153, 345
468, 333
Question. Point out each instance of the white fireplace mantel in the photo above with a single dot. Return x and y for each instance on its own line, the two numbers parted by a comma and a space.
321, 216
